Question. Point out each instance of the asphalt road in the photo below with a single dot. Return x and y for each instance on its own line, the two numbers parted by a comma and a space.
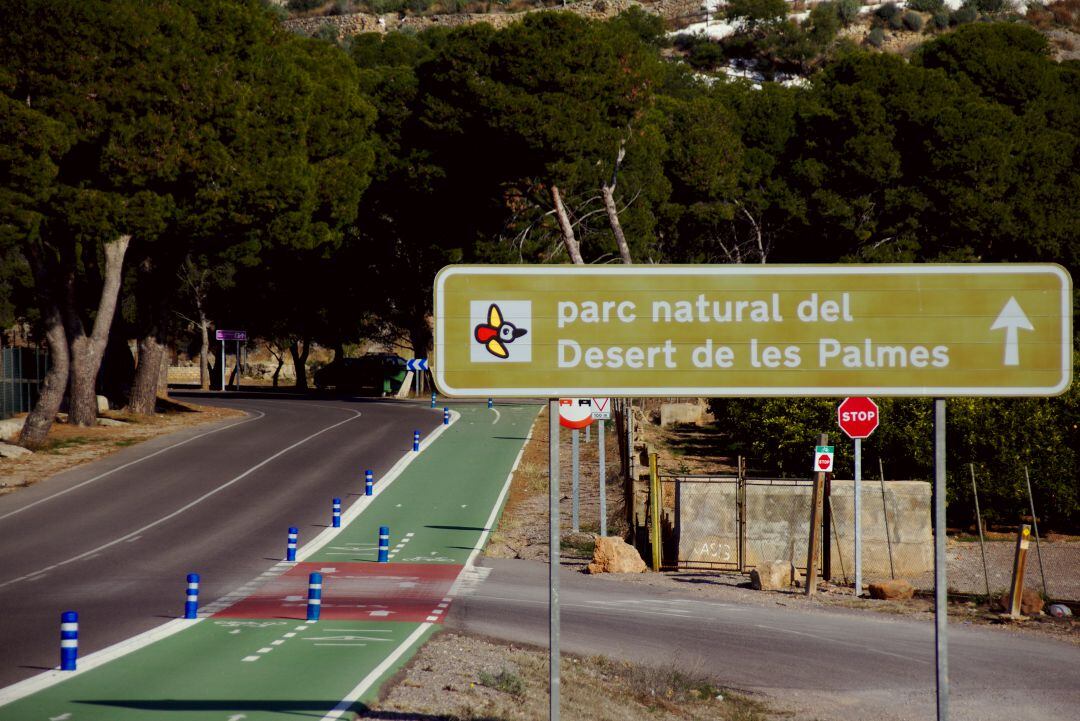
115, 539
839, 665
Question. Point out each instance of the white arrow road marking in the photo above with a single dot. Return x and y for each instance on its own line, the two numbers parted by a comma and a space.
1011, 318
61, 717
238, 717
328, 570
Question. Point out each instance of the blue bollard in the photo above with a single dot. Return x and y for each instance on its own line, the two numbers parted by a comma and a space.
384, 544
337, 512
314, 596
416, 441
446, 416
290, 549
491, 402
369, 483
69, 640
191, 605
432, 399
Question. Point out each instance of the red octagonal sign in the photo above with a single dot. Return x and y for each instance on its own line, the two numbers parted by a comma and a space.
858, 417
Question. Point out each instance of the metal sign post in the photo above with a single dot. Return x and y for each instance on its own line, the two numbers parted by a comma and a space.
224, 336
941, 599
858, 418
603, 480
553, 559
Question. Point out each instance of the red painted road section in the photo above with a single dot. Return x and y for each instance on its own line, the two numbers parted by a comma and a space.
407, 592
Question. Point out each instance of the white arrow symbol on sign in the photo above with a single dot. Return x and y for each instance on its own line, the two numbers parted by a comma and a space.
1010, 318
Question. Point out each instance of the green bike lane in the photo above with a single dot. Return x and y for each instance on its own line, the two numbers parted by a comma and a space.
258, 659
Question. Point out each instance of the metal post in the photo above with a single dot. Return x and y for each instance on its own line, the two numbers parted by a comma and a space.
574, 482
553, 559
223, 389
1035, 524
588, 433
603, 479
885, 512
858, 516
238, 367
978, 524
827, 529
941, 600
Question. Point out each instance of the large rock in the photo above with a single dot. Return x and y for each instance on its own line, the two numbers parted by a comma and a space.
9, 451
1031, 603
11, 427
771, 576
895, 590
614, 555
102, 404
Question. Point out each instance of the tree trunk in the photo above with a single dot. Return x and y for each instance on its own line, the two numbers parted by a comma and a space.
300, 361
41, 418
204, 353
86, 350
573, 249
608, 191
144, 389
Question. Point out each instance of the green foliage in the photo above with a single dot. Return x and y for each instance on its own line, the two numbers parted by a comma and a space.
506, 681
1000, 436
992, 6
926, 6
701, 52
964, 14
756, 13
876, 36
823, 23
888, 11
848, 10
913, 21
303, 5
328, 34
896, 22
941, 19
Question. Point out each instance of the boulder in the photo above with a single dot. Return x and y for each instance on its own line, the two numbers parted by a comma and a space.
9, 451
102, 404
612, 554
771, 576
11, 427
894, 590
1031, 603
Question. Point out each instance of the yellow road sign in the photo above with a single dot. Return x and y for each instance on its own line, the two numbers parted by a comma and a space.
808, 330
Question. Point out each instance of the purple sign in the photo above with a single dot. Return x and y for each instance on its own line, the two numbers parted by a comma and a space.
231, 335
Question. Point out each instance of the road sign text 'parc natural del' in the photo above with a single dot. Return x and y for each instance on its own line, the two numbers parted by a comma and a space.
832, 330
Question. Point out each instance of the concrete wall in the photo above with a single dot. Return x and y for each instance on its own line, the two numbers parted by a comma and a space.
778, 525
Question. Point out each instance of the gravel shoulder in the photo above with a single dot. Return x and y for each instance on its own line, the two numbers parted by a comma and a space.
465, 678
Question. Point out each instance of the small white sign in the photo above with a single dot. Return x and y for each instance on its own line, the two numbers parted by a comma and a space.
601, 409
823, 459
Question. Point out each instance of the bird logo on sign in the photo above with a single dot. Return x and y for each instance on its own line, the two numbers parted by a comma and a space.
497, 333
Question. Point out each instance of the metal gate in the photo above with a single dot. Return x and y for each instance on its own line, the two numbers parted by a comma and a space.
21, 371
734, 523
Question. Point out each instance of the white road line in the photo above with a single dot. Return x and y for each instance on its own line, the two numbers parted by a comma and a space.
497, 416
131, 463
251, 658
185, 507
859, 646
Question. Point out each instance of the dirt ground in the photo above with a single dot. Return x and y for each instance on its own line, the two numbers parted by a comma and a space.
463, 678
69, 446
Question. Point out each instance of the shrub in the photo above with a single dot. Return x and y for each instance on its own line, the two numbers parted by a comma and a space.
329, 33
913, 21
926, 6
963, 15
896, 22
991, 6
876, 37
300, 6
506, 681
848, 11
888, 11
941, 19
703, 53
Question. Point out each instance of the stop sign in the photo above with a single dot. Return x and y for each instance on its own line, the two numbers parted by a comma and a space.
858, 417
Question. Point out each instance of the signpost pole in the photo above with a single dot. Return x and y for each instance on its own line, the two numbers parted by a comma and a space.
238, 368
574, 464
858, 516
223, 388
941, 653
553, 559
603, 480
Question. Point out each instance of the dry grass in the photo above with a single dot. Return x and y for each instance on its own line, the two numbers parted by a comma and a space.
462, 678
